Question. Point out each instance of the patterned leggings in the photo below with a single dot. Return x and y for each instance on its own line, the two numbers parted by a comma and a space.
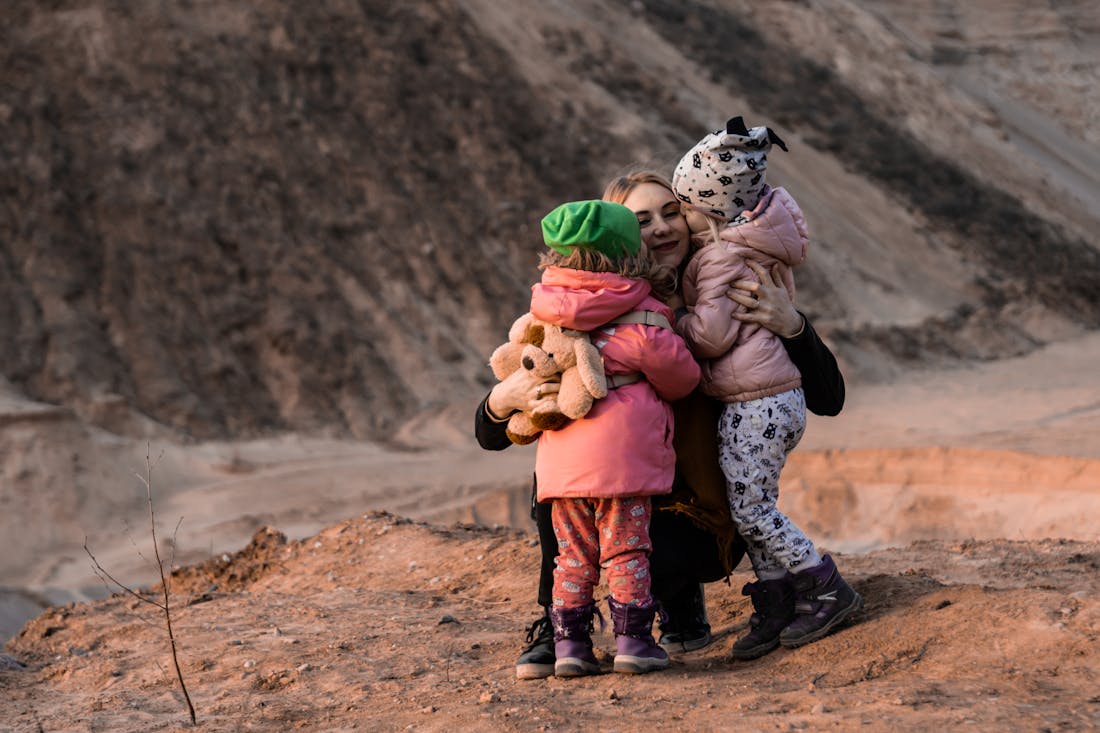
608, 533
754, 439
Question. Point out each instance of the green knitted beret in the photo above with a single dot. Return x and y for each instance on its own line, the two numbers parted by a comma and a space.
595, 225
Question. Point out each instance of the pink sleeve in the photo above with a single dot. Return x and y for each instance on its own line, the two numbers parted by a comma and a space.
709, 327
664, 359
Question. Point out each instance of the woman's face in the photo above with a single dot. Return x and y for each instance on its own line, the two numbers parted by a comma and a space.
664, 231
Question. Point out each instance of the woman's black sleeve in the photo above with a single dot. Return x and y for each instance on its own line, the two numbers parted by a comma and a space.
822, 381
490, 435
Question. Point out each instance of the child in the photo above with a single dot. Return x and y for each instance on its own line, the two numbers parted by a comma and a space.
735, 216
599, 472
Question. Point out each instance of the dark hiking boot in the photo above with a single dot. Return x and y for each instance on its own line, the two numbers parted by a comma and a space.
683, 622
573, 641
637, 652
773, 609
822, 600
537, 659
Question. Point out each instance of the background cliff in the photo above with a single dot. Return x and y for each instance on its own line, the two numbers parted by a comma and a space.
231, 219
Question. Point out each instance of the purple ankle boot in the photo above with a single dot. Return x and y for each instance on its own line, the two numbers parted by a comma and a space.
573, 641
823, 600
638, 653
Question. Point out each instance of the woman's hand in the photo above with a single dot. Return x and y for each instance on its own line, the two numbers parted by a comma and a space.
766, 302
520, 391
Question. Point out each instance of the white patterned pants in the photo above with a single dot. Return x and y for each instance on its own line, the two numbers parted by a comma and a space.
754, 438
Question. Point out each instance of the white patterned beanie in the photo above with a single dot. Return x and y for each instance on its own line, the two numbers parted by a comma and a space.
724, 174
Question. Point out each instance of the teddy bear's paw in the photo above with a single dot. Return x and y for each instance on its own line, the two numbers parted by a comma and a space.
521, 439
549, 420
575, 411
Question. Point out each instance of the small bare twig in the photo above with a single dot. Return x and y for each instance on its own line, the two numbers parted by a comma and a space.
105, 576
447, 666
165, 605
920, 652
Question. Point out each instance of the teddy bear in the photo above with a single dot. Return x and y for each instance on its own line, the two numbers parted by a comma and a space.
546, 350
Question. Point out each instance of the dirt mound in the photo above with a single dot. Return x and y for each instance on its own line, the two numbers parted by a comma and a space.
389, 623
233, 572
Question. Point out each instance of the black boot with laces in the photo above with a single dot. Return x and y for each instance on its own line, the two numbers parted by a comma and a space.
537, 659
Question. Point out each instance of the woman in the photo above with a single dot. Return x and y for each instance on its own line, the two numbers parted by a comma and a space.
692, 537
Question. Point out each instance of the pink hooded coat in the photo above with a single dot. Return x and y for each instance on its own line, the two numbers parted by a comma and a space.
743, 361
623, 446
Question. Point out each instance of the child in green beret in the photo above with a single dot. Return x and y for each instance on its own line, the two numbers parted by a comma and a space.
600, 472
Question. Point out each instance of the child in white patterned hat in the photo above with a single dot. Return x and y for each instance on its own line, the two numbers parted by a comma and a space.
736, 216
724, 175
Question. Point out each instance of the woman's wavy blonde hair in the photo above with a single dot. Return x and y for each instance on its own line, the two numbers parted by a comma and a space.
663, 278
620, 187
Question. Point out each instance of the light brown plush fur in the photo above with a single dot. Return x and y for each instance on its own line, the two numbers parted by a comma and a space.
548, 350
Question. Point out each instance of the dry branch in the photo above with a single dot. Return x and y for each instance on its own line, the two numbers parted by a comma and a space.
165, 605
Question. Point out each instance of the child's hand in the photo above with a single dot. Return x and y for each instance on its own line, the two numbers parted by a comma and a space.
766, 302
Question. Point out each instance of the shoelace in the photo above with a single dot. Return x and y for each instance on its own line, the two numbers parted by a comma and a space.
540, 626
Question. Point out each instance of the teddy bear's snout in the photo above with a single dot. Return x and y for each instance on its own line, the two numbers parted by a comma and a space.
528, 363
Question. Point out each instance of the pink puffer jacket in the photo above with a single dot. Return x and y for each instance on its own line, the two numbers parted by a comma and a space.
623, 446
743, 361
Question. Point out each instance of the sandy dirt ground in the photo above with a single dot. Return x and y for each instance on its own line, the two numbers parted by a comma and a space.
963, 505
382, 623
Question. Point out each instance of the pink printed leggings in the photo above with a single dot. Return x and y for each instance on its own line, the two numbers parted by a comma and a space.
608, 533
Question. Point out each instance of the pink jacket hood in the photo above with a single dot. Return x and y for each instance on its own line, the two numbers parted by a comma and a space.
775, 229
584, 300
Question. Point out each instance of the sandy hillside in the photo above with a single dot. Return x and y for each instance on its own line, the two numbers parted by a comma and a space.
252, 218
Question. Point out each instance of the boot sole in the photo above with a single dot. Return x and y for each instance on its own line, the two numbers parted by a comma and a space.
687, 646
855, 605
625, 664
755, 652
532, 671
573, 667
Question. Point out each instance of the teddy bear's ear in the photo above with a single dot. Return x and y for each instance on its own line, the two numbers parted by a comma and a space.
505, 360
590, 367
526, 330
574, 400
519, 327
534, 334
